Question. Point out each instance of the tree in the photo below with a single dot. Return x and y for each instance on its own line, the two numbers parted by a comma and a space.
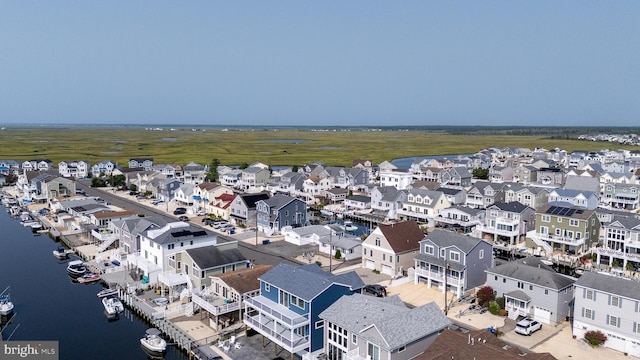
595, 337
338, 254
98, 182
294, 168
117, 180
481, 173
212, 175
485, 295
243, 166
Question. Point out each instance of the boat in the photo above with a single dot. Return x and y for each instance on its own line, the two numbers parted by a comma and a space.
107, 292
61, 252
112, 305
6, 306
348, 226
89, 277
76, 268
152, 342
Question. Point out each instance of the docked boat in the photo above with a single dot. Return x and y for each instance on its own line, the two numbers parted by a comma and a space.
107, 292
6, 306
76, 268
348, 226
61, 252
89, 277
152, 342
112, 305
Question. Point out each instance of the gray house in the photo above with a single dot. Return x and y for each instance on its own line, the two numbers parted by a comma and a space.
461, 258
532, 288
243, 208
363, 327
280, 211
611, 305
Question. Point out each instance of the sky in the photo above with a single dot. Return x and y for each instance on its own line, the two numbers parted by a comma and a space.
321, 63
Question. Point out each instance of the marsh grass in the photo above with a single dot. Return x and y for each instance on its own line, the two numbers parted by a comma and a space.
339, 148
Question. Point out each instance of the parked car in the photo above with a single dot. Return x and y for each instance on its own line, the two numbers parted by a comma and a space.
207, 221
179, 211
201, 213
219, 223
227, 228
183, 218
528, 326
375, 289
156, 201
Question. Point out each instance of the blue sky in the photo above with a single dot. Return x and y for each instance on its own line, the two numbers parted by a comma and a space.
379, 63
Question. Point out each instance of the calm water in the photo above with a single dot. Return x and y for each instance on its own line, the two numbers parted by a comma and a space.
48, 306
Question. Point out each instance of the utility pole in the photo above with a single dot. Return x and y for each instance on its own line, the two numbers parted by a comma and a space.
446, 267
330, 247
256, 226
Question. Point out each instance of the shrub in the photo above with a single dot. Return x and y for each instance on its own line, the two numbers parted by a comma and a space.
500, 301
338, 254
494, 308
502, 312
595, 337
485, 295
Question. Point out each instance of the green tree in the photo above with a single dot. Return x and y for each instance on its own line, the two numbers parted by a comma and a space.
481, 173
243, 166
117, 180
294, 168
98, 182
338, 254
212, 175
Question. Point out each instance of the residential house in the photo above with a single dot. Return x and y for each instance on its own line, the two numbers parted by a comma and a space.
566, 197
254, 178
365, 164
279, 211
525, 174
621, 196
243, 209
456, 176
455, 195
291, 183
550, 177
200, 263
390, 248
78, 169
129, 230
499, 174
483, 194
398, 178
315, 187
533, 289
583, 183
37, 165
170, 171
184, 194
287, 311
477, 345
144, 163
460, 218
569, 230
102, 168
364, 327
620, 243
423, 206
357, 202
194, 173
345, 178
339, 245
507, 223
448, 260
220, 206
386, 200
335, 195
52, 187
205, 192
532, 196
611, 305
231, 178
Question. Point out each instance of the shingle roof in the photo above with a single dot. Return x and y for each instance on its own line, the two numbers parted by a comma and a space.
245, 280
532, 270
448, 238
514, 206
403, 236
308, 281
208, 257
610, 284
395, 322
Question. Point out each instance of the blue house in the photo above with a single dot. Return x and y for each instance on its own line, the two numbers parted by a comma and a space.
290, 302
279, 211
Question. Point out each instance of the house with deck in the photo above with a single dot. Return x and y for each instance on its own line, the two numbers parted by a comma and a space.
287, 311
390, 248
279, 211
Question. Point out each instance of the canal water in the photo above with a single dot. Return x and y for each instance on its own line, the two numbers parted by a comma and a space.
50, 307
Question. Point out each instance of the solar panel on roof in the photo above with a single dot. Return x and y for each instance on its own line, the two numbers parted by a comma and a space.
551, 209
200, 233
579, 211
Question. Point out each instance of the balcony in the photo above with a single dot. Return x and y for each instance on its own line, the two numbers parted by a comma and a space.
215, 305
354, 354
461, 222
557, 239
415, 214
438, 276
618, 254
284, 337
276, 311
494, 230
103, 234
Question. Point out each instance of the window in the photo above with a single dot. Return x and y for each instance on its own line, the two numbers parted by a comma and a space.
588, 313
384, 257
443, 252
573, 222
297, 301
428, 250
454, 256
589, 295
481, 254
530, 287
615, 301
520, 285
613, 320
319, 324
267, 287
402, 348
373, 351
354, 339
546, 291
377, 242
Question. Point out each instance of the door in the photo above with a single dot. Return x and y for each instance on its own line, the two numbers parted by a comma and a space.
388, 270
542, 315
370, 264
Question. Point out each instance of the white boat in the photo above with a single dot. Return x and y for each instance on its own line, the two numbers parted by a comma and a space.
348, 226
6, 306
112, 305
89, 277
107, 292
152, 342
76, 268
61, 252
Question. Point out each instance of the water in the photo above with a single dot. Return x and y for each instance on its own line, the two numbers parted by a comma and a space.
49, 307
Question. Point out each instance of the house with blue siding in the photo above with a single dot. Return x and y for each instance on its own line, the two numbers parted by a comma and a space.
291, 299
279, 211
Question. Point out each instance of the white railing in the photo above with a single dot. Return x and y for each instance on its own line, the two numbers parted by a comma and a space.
105, 244
287, 339
215, 309
451, 280
276, 314
540, 242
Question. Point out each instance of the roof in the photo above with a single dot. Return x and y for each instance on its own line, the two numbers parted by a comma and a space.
403, 236
451, 344
394, 321
572, 212
308, 281
533, 271
514, 206
279, 200
208, 257
610, 284
115, 214
245, 280
251, 199
444, 238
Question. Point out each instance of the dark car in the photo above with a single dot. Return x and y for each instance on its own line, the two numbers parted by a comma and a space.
183, 218
375, 290
179, 211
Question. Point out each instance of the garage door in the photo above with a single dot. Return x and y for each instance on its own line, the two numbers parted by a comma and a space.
388, 270
542, 315
369, 264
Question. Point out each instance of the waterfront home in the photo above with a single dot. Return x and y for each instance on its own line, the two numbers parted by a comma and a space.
223, 300
200, 263
608, 304
278, 211
532, 289
243, 209
507, 223
253, 179
567, 197
620, 246
287, 311
290, 183
364, 327
386, 200
305, 234
423, 206
102, 168
144, 163
390, 248
128, 231
335, 195
315, 186
340, 245
357, 203
568, 230
483, 193
78, 169
365, 164
459, 258
460, 218
398, 178
531, 196
37, 165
